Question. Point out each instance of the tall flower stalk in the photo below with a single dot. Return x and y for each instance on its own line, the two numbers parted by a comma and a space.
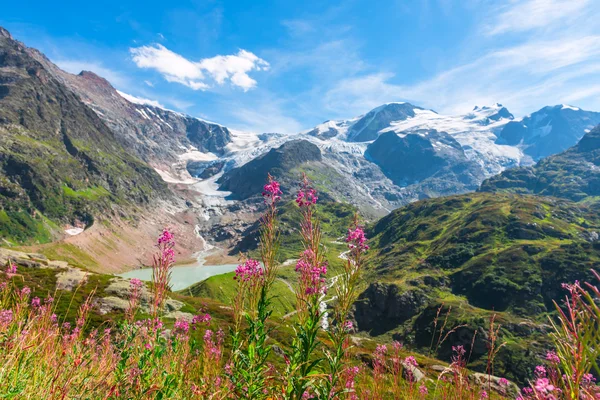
346, 291
161, 270
310, 293
249, 369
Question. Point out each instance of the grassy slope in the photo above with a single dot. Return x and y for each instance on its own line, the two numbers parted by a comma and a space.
485, 254
334, 218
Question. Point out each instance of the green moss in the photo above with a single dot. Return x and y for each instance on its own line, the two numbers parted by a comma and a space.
90, 193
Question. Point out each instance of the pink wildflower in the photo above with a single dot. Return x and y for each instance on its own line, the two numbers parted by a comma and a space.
306, 196
250, 271
588, 379
503, 382
423, 390
348, 326
25, 292
540, 371
11, 269
381, 350
543, 385
182, 325
36, 302
483, 395
411, 360
552, 357
356, 239
312, 276
201, 319
135, 283
6, 317
272, 191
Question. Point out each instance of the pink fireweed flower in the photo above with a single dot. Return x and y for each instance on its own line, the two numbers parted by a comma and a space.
135, 283
312, 277
36, 302
165, 237
201, 319
306, 197
411, 360
11, 269
6, 317
503, 382
483, 395
356, 239
181, 325
423, 390
588, 379
249, 271
540, 371
552, 357
381, 350
348, 326
272, 191
543, 385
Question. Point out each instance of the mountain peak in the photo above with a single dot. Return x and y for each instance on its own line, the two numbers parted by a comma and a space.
5, 33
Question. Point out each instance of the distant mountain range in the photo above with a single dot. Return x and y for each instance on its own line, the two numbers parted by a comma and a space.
394, 154
573, 174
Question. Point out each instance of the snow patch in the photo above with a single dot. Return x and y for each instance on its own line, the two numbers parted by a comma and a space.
139, 100
74, 231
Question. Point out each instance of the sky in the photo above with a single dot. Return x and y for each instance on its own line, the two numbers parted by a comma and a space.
285, 66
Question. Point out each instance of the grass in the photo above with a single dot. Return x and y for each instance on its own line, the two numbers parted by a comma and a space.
68, 252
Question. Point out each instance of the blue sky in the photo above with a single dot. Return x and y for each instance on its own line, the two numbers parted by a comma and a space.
285, 66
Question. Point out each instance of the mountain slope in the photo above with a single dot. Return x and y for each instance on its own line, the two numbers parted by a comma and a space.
249, 179
57, 157
573, 174
549, 130
429, 159
479, 254
156, 135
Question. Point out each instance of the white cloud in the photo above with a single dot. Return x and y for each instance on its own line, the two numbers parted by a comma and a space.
140, 100
199, 75
525, 15
522, 77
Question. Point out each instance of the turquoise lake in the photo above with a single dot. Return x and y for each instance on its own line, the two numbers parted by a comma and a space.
185, 275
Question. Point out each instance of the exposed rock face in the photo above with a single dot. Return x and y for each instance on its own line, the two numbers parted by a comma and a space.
486, 381
549, 130
383, 306
427, 158
205, 169
56, 156
367, 127
573, 174
153, 133
248, 180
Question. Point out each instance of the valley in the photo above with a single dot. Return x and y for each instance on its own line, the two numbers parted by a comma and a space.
479, 216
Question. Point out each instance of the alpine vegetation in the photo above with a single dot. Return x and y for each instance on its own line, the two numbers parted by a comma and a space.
143, 355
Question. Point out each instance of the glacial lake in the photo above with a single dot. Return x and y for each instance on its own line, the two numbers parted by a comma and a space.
185, 275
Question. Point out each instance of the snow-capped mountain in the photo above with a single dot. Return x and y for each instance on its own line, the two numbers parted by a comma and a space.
549, 130
392, 155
